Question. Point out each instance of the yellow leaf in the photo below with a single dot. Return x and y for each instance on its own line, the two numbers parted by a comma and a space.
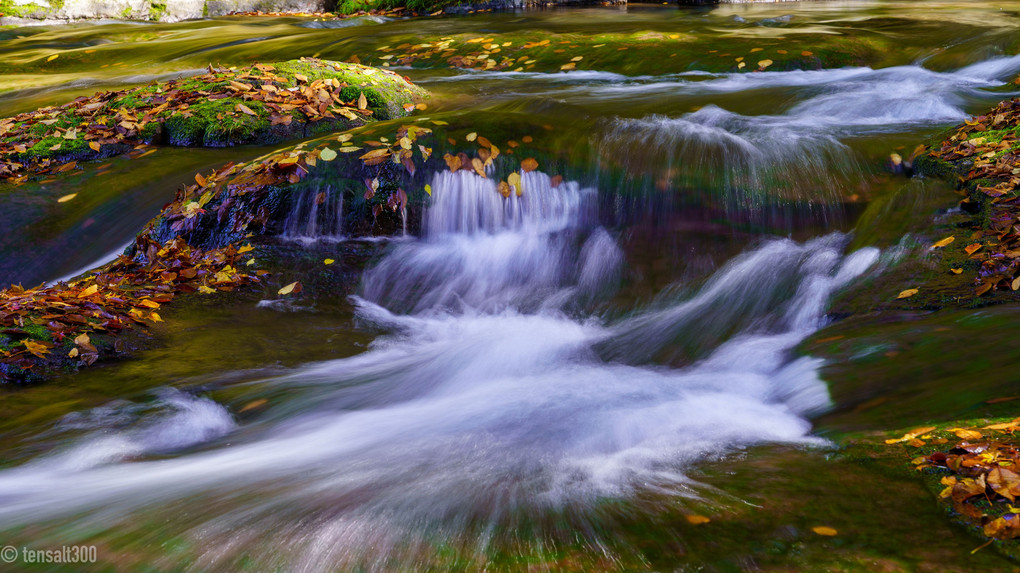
40, 349
94, 145
428, 189
82, 339
89, 291
824, 530
972, 248
244, 109
568, 67
67, 198
53, 57
328, 262
907, 293
73, 353
577, 59
965, 434
250, 262
514, 179
327, 154
764, 64
696, 519
288, 289
958, 271
245, 249
155, 317
741, 65
206, 290
344, 137
200, 180
362, 102
471, 136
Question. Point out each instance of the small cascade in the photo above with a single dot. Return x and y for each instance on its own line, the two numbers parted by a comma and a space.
484, 251
316, 214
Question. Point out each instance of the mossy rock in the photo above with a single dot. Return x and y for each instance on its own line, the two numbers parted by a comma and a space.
261, 104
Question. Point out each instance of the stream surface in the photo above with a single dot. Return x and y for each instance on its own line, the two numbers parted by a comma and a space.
551, 381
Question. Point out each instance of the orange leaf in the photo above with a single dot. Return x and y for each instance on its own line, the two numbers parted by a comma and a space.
972, 248
943, 242
529, 164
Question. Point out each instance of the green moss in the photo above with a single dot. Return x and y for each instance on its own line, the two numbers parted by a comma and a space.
9, 8
213, 123
157, 10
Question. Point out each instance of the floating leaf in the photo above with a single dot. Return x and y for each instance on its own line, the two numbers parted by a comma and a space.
907, 293
292, 287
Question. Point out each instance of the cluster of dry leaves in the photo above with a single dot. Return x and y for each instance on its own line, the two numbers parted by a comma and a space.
991, 143
983, 481
101, 120
122, 294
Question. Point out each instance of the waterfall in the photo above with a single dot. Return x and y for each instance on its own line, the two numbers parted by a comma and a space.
316, 214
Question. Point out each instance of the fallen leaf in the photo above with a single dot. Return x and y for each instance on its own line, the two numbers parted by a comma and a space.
67, 198
327, 154
471, 136
328, 261
907, 293
943, 242
529, 164
824, 530
696, 519
292, 287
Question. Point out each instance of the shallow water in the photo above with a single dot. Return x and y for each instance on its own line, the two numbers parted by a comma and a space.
533, 376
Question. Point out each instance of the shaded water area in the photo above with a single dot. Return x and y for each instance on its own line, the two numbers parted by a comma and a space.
555, 381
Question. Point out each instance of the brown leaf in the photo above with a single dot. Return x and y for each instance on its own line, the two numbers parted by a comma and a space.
529, 164
244, 109
1004, 482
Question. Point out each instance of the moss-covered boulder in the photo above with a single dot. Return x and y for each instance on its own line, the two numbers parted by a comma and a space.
264, 103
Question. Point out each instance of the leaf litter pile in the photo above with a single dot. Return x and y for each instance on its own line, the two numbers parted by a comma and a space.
983, 155
980, 472
50, 325
223, 107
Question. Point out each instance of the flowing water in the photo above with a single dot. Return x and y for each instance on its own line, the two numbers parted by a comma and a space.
547, 381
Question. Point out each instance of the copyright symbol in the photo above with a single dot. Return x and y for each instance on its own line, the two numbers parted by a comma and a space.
8, 554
